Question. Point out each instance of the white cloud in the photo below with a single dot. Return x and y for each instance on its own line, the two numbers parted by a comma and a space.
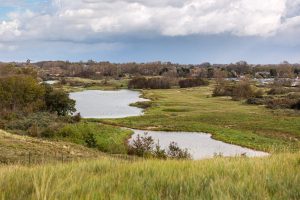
81, 20
9, 30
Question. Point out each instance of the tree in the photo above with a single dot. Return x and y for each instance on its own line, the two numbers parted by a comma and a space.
21, 93
285, 71
58, 101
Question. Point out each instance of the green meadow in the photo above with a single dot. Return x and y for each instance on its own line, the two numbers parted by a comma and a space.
236, 122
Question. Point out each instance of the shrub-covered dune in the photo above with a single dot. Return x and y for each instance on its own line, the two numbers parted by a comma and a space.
274, 177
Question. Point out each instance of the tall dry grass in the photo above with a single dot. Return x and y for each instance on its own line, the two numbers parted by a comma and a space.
274, 177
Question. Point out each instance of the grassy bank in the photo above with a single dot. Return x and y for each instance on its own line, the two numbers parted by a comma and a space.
275, 177
105, 138
28, 150
231, 121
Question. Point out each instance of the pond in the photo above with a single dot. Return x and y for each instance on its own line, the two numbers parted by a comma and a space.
51, 82
107, 104
200, 145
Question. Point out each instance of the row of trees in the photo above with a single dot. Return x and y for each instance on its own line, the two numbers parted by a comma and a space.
96, 70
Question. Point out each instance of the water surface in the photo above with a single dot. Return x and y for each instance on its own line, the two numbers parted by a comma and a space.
200, 145
107, 104
51, 82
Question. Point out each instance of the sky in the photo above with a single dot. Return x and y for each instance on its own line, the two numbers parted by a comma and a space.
179, 31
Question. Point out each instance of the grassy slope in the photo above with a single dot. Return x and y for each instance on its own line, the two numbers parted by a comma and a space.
108, 138
231, 121
16, 149
275, 177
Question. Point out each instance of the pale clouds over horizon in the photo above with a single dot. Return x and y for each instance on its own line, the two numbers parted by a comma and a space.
114, 21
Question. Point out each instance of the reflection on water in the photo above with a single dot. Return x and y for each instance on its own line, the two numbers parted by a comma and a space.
200, 145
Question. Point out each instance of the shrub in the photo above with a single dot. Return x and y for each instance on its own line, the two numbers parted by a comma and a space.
278, 90
259, 94
158, 83
138, 83
151, 83
90, 140
175, 152
242, 90
141, 146
144, 146
256, 101
76, 118
192, 82
142, 104
296, 105
222, 90
58, 101
285, 103
21, 94
104, 137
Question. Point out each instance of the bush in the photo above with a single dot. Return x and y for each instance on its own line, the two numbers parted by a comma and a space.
222, 90
192, 82
256, 101
40, 124
175, 152
259, 94
76, 118
151, 83
284, 103
103, 137
144, 146
90, 140
21, 94
296, 105
58, 101
242, 90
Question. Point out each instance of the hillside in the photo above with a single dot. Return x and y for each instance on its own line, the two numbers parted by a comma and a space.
23, 149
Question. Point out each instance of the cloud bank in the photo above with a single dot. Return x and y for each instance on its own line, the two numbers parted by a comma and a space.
80, 20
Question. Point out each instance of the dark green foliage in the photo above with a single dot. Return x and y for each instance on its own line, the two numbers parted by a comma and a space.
175, 152
103, 137
39, 124
141, 146
150, 83
283, 103
20, 93
256, 101
158, 152
142, 104
90, 140
296, 105
193, 82
144, 146
183, 72
58, 101
76, 118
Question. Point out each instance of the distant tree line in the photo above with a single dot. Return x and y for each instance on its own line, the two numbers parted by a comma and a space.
97, 70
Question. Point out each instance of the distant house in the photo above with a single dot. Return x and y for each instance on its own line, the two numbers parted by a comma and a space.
296, 82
